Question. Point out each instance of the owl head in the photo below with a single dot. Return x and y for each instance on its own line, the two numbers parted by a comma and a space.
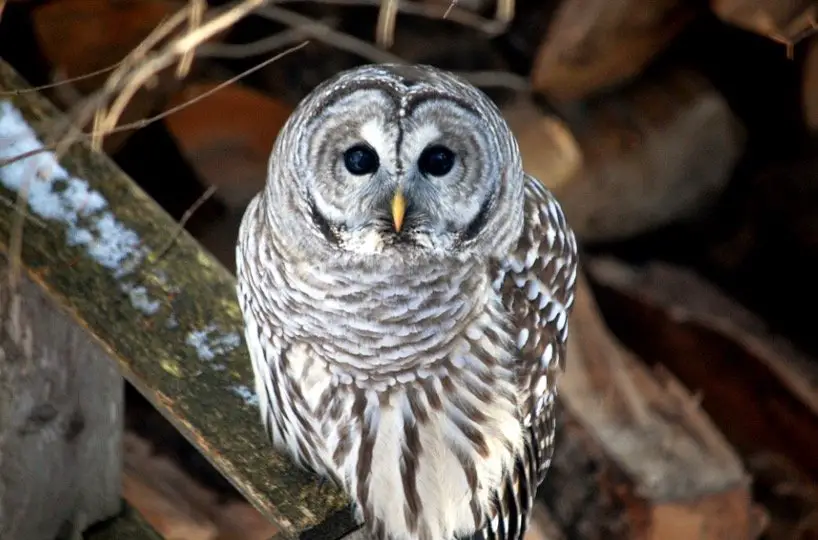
394, 162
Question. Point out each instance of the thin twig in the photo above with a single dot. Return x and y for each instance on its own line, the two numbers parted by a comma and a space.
16, 234
452, 5
255, 48
137, 124
95, 104
55, 84
330, 36
185, 218
197, 9
505, 11
145, 121
451, 12
24, 155
387, 16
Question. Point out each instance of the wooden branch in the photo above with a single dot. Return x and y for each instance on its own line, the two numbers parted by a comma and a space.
636, 457
61, 401
171, 322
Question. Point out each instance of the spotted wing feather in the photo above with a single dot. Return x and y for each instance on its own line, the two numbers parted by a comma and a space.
536, 283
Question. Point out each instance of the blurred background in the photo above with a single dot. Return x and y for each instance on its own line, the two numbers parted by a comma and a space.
681, 137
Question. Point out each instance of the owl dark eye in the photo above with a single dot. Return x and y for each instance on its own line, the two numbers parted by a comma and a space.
436, 160
361, 159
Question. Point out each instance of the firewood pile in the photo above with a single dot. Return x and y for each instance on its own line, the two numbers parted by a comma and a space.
681, 138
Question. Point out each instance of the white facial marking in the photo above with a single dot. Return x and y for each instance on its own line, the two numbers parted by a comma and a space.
420, 138
376, 135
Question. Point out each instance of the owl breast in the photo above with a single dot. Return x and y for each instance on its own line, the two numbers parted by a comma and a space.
400, 386
419, 457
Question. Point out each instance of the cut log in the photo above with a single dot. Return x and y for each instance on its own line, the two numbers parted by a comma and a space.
758, 388
786, 21
61, 400
635, 456
549, 150
660, 151
597, 44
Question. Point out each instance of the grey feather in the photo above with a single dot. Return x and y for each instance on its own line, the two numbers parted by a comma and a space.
416, 368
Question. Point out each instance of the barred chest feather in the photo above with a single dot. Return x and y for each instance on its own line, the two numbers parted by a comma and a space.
420, 456
419, 419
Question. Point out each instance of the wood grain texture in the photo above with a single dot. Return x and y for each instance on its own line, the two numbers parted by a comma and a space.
172, 323
61, 405
635, 457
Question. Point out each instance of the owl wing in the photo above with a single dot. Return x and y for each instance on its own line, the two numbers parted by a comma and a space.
284, 412
536, 283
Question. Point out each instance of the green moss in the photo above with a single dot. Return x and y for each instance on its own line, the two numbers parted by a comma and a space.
194, 293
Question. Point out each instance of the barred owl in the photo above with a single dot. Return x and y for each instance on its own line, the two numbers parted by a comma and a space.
406, 289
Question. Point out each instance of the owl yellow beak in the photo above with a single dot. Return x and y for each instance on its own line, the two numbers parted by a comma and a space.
398, 210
